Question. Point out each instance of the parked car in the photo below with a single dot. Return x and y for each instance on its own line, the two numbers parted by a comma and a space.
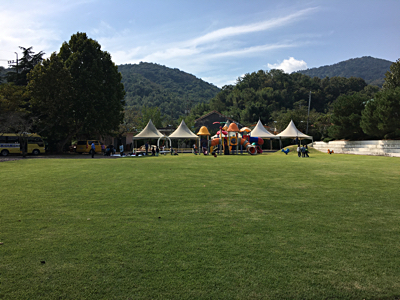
85, 146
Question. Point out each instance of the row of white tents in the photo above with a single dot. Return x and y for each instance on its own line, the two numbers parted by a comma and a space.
183, 132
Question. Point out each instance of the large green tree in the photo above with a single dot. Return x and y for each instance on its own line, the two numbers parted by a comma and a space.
346, 116
77, 92
54, 101
392, 77
14, 115
152, 113
381, 116
25, 64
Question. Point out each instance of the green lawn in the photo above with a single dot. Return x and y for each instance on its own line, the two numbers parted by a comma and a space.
194, 227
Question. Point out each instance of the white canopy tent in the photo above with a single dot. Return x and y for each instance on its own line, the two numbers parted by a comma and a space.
291, 131
150, 132
183, 132
260, 131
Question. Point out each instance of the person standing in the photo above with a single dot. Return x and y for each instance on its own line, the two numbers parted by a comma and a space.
103, 149
303, 151
146, 146
153, 151
172, 150
157, 151
306, 150
298, 150
93, 149
121, 150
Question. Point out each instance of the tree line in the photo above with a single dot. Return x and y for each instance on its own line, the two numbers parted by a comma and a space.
79, 92
76, 92
341, 108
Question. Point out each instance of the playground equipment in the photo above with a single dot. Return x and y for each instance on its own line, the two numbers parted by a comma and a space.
203, 142
252, 149
256, 142
233, 137
229, 141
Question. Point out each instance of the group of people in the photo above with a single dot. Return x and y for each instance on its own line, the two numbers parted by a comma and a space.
155, 151
110, 150
302, 151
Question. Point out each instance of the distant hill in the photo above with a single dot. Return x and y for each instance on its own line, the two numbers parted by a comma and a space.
372, 70
172, 90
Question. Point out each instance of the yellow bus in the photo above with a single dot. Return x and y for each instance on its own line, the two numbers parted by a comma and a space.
10, 143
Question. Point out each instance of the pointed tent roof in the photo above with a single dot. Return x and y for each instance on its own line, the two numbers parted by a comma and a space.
260, 131
149, 132
291, 132
183, 132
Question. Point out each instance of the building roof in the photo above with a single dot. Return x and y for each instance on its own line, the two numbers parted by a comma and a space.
215, 112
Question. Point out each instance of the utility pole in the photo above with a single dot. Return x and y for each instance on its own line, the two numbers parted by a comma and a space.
17, 63
308, 116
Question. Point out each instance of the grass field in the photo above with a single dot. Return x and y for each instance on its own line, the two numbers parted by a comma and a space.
194, 227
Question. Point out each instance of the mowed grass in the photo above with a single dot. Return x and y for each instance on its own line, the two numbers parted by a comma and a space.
194, 227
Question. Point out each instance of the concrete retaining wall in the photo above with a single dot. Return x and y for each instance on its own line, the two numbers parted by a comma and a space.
382, 147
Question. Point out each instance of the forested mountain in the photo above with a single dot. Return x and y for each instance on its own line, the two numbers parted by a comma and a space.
172, 90
372, 70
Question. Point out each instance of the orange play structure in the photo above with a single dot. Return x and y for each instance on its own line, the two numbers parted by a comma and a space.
245, 143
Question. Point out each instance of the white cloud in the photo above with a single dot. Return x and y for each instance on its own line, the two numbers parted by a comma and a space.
252, 50
36, 26
244, 29
205, 49
207, 53
289, 65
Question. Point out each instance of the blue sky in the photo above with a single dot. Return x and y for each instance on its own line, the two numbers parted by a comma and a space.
217, 41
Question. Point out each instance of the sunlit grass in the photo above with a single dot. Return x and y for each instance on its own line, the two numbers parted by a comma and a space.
197, 227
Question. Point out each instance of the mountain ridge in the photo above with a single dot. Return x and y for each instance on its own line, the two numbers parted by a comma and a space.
174, 91
371, 69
